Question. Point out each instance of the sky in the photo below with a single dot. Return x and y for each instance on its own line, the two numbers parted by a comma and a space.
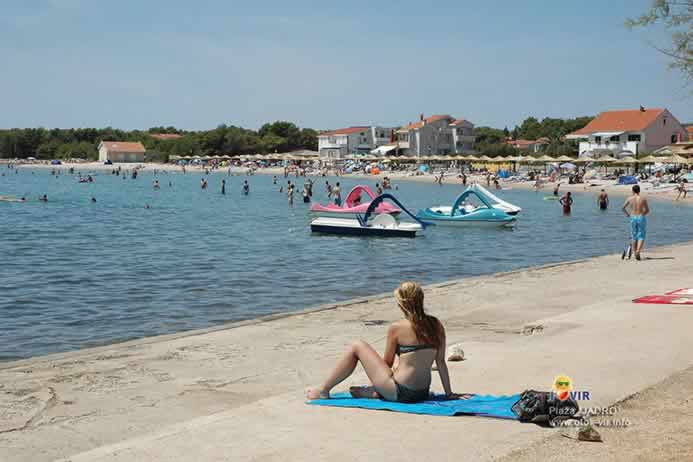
324, 64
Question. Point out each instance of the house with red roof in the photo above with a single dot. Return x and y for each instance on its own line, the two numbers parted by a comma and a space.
337, 144
628, 132
121, 151
437, 134
530, 146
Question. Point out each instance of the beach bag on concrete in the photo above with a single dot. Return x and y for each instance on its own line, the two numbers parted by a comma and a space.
543, 407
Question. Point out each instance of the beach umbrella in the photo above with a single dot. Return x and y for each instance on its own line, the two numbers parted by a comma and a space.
485, 158
627, 161
565, 159
648, 160
583, 160
546, 158
605, 160
675, 159
568, 166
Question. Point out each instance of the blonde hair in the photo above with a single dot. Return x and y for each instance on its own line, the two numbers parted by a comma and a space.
410, 299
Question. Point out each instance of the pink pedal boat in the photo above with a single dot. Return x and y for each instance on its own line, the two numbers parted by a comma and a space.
352, 206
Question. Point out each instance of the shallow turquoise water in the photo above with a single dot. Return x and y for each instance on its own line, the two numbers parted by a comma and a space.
76, 274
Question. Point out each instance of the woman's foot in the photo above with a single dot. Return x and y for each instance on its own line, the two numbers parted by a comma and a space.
363, 392
317, 393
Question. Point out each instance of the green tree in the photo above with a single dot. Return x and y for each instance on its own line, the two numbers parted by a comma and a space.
677, 17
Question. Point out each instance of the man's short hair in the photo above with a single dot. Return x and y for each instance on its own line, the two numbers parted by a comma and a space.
636, 188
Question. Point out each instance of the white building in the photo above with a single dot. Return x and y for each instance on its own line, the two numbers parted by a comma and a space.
121, 151
629, 132
438, 134
337, 144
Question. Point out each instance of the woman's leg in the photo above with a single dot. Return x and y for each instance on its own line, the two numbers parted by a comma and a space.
377, 370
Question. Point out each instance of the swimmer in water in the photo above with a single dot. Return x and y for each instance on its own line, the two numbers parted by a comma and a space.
93, 199
246, 187
156, 184
290, 192
567, 202
274, 179
555, 189
223, 186
43, 198
603, 200
337, 193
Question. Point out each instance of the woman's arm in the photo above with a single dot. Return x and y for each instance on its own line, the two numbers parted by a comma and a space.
390, 346
442, 365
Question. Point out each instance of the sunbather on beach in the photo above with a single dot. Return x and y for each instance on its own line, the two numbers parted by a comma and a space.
418, 340
681, 188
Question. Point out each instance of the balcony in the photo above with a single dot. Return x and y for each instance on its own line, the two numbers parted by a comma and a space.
614, 147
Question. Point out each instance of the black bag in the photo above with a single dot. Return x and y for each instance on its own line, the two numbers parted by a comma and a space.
544, 407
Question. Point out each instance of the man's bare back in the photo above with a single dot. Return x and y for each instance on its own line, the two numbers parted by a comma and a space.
638, 206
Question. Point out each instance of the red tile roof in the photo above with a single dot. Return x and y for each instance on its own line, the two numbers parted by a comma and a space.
344, 131
123, 146
628, 120
428, 120
166, 136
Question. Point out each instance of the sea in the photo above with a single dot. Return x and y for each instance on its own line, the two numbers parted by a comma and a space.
140, 261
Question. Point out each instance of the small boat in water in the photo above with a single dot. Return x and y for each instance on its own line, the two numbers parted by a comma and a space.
353, 205
471, 207
382, 225
496, 201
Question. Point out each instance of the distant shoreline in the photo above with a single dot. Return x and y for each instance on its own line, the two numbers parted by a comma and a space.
595, 186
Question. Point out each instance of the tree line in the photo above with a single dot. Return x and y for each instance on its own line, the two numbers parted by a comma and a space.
41, 143
280, 136
492, 141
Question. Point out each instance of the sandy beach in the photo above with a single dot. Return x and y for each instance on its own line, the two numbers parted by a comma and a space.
236, 392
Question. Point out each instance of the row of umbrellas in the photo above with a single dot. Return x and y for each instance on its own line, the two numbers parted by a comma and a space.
287, 156
675, 159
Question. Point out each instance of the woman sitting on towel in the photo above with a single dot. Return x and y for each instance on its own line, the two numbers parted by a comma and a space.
417, 340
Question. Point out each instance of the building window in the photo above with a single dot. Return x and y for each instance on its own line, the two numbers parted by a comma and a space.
598, 139
633, 137
332, 139
674, 138
664, 121
615, 139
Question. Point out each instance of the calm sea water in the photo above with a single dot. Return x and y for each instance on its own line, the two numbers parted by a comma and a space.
75, 273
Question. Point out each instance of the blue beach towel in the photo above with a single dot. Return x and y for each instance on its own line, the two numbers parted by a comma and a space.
479, 405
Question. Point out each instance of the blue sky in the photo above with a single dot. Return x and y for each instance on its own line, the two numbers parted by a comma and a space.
323, 64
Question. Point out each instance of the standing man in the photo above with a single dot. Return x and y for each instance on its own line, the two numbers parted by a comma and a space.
603, 200
639, 209
223, 186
